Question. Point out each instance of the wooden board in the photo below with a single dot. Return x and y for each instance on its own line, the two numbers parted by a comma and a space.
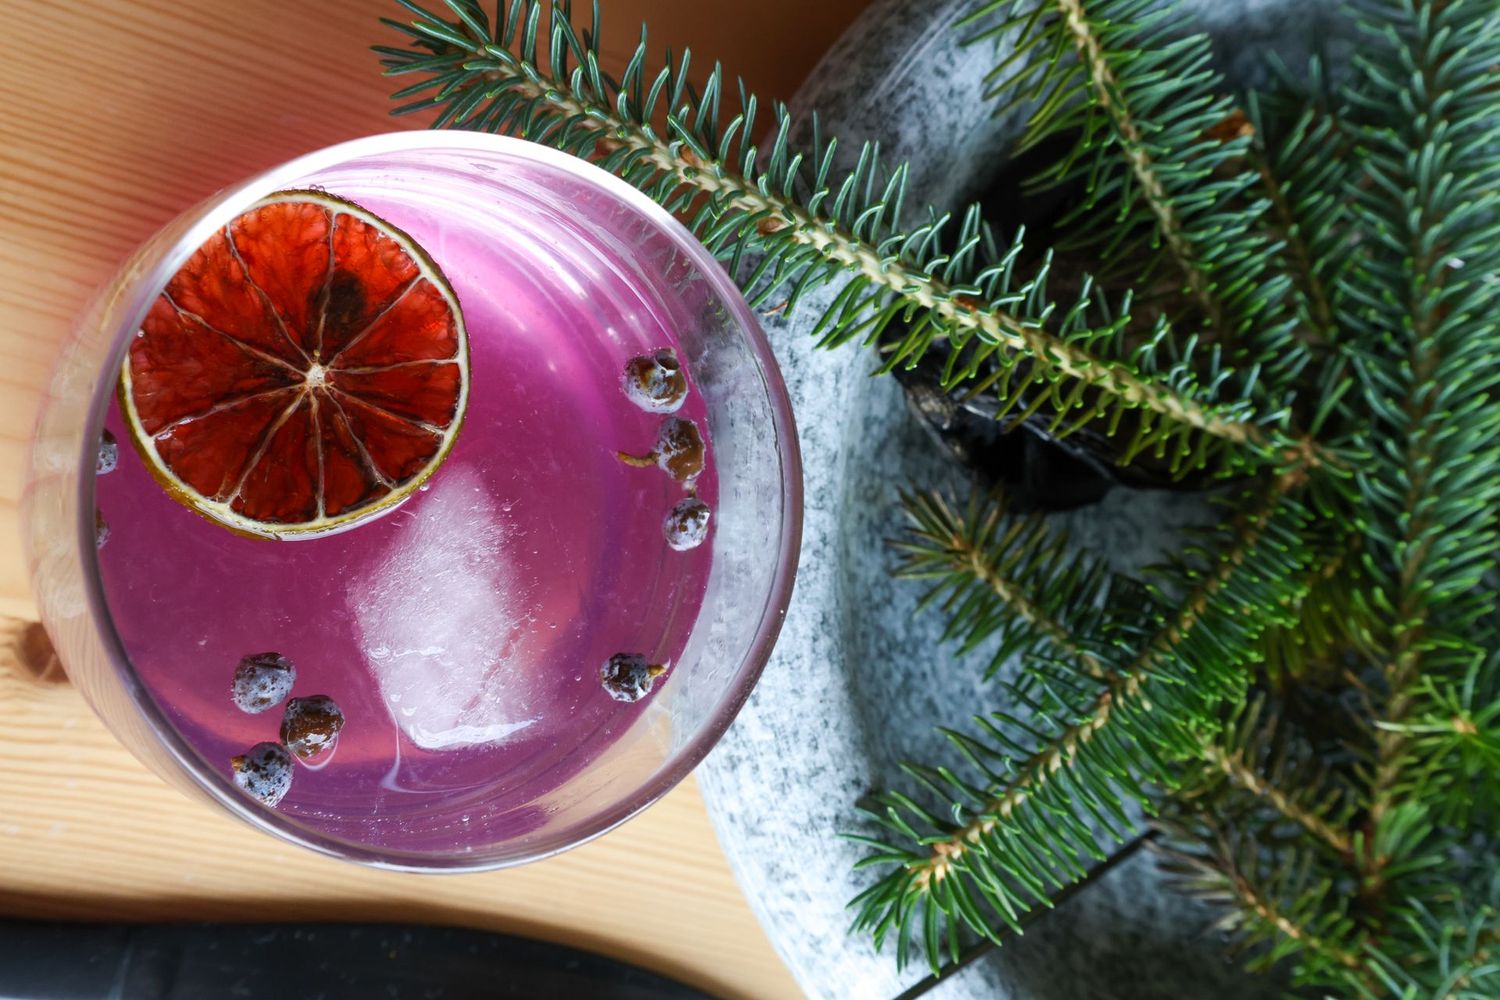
115, 117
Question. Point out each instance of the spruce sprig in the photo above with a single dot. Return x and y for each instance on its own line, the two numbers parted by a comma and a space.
1087, 730
1008, 581
1163, 155
1275, 777
1422, 296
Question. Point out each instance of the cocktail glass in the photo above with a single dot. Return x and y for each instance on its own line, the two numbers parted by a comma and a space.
598, 239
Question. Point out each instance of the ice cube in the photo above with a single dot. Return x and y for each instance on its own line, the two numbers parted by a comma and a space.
440, 619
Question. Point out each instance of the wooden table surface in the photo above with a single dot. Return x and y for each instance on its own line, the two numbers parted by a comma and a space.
113, 118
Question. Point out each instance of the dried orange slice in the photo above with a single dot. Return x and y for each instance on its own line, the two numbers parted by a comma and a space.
307, 369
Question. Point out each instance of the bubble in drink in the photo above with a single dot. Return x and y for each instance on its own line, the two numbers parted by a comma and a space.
628, 677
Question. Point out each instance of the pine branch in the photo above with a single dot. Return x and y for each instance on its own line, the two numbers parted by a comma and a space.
1452, 951
1008, 577
1242, 775
1023, 824
746, 204
1480, 976
1253, 759
1095, 874
1164, 179
1322, 621
1320, 329
1110, 97
1421, 301
1291, 910
1300, 151
1306, 938
1287, 910
1452, 735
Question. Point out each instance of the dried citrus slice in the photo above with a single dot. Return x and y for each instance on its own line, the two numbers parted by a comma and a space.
306, 369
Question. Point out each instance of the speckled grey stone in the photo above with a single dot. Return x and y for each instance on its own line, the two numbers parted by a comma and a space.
859, 680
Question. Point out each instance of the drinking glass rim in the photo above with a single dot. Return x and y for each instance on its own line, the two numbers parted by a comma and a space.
232, 201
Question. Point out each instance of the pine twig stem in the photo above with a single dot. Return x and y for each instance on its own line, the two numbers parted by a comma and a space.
970, 558
1119, 686
1109, 96
1411, 598
1319, 304
1239, 772
987, 945
1266, 910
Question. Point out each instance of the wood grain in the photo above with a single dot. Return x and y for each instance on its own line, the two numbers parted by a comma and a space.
116, 117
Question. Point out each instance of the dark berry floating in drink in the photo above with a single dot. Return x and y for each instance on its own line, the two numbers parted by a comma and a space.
628, 677
262, 681
311, 726
264, 772
678, 451
686, 525
655, 382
